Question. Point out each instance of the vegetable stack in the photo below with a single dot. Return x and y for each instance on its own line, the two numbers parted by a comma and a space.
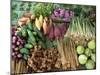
52, 37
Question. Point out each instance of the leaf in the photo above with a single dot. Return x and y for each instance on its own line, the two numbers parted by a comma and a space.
24, 51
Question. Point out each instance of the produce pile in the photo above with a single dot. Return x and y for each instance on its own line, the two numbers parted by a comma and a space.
87, 55
59, 38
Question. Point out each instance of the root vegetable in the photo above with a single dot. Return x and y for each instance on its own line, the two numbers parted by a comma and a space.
45, 27
57, 32
51, 33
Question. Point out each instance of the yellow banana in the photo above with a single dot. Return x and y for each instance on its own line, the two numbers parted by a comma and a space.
37, 23
41, 20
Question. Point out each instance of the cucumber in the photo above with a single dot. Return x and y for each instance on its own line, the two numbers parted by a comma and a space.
24, 51
39, 34
24, 31
31, 36
29, 26
35, 33
28, 46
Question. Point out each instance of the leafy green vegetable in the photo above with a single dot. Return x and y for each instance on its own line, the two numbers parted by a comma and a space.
24, 51
30, 26
80, 49
31, 36
91, 44
93, 57
90, 64
28, 46
82, 59
41, 9
25, 56
24, 31
19, 34
88, 52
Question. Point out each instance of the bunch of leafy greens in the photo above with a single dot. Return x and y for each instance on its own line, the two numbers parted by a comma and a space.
44, 9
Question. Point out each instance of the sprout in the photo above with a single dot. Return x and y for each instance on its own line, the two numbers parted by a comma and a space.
82, 59
90, 64
80, 49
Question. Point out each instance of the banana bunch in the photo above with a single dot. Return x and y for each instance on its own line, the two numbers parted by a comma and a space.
43, 23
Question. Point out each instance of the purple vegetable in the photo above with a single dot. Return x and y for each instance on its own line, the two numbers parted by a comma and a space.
63, 28
20, 46
57, 32
71, 14
13, 41
51, 33
14, 57
67, 19
19, 55
13, 29
13, 46
18, 43
13, 54
16, 49
59, 12
66, 14
53, 16
14, 38
62, 14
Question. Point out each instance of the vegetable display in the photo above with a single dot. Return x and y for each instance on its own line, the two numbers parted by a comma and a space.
50, 37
